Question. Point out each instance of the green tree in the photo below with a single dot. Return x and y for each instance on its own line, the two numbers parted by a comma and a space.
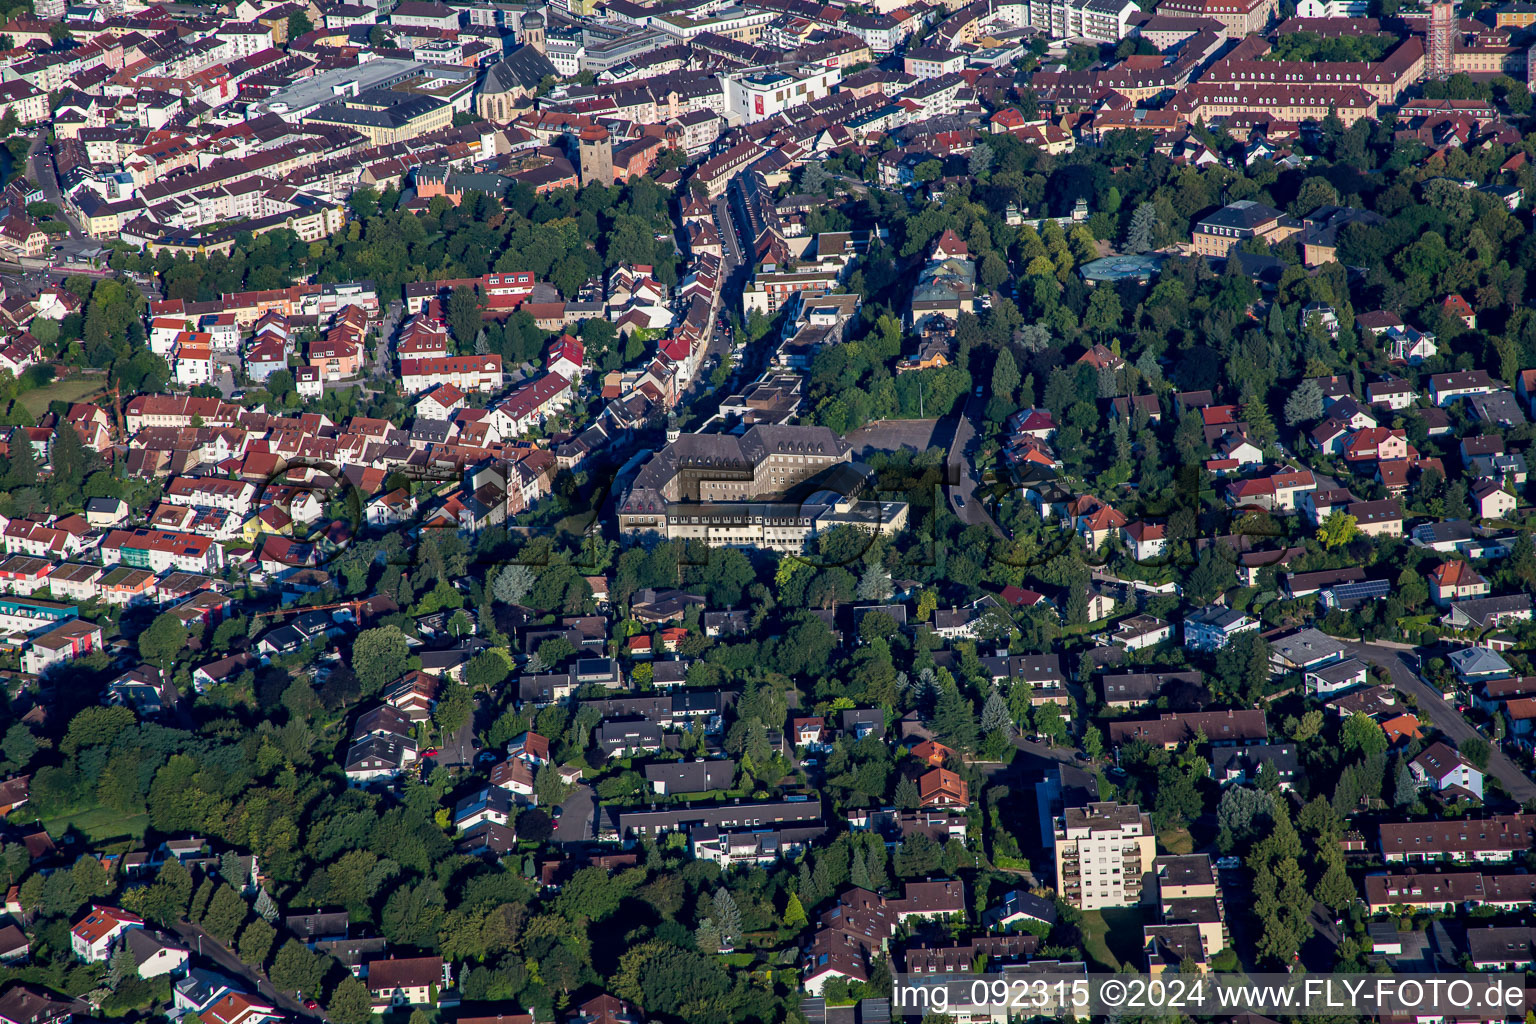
1104, 313
954, 719
1005, 385
454, 707
1050, 723
297, 969
19, 745
555, 651
794, 913
226, 912
299, 24
350, 1003
256, 942
379, 656
1305, 404
464, 315
1475, 750
1335, 890
485, 671
1337, 530
1360, 733
1141, 234
163, 641
513, 584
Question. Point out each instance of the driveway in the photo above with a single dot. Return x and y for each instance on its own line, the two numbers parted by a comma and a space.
893, 435
962, 470
459, 750
1401, 665
578, 816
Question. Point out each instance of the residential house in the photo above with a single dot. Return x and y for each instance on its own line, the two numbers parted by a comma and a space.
1444, 770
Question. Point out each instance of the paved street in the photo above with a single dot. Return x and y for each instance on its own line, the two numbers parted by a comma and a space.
205, 945
382, 368
40, 170
459, 750
962, 471
725, 224
1444, 715
578, 816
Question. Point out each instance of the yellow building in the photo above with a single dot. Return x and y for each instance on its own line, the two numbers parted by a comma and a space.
1515, 15
1218, 234
385, 116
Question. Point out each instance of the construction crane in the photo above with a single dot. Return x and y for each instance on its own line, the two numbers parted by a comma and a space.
354, 606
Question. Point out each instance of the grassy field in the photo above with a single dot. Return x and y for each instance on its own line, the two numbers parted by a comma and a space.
70, 389
1112, 936
1096, 940
1176, 840
100, 824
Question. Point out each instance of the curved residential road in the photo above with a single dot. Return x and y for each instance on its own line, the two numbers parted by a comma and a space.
205, 946
1401, 664
960, 469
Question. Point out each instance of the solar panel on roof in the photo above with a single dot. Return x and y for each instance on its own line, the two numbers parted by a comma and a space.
1364, 590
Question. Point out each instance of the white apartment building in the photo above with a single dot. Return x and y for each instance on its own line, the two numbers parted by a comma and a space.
1105, 21
762, 94
565, 54
1103, 853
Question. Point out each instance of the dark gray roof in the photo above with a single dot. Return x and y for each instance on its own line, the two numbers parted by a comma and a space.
1244, 214
1499, 945
692, 776
524, 68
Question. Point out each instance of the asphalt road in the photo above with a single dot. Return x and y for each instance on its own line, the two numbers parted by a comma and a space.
578, 816
725, 224
207, 947
40, 169
382, 368
1444, 715
459, 750
962, 492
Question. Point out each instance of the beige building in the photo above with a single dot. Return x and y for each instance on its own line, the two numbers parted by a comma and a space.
1218, 234
727, 491
1241, 17
1191, 877
1192, 919
384, 116
1104, 852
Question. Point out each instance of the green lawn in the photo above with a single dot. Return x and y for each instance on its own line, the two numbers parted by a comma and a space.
100, 824
1096, 940
1112, 936
70, 389
1176, 840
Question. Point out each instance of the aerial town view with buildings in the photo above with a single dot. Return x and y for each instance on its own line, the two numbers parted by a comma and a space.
691, 511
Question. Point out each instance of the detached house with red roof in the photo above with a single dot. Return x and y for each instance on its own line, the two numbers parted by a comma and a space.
567, 357
1094, 521
1455, 581
932, 752
239, 1008
408, 981
1146, 540
1461, 309
941, 787
93, 936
